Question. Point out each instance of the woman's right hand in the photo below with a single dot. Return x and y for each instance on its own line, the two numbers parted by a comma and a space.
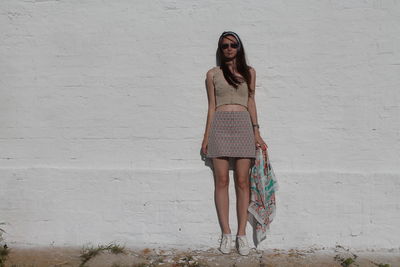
204, 145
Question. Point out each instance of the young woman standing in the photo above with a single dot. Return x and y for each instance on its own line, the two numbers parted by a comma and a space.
231, 131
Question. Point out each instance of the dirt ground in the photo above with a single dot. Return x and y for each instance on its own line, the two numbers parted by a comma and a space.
338, 256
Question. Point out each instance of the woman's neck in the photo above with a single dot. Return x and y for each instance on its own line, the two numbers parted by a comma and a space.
231, 65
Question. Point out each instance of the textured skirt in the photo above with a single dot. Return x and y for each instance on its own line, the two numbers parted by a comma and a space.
231, 135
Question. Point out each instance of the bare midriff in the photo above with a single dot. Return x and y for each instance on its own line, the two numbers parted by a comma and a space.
231, 107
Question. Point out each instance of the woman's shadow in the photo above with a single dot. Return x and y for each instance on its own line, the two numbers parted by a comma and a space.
208, 162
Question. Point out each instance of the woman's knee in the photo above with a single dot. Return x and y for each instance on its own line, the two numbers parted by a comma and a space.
222, 181
221, 171
242, 182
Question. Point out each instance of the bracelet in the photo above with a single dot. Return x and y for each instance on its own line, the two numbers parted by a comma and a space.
256, 125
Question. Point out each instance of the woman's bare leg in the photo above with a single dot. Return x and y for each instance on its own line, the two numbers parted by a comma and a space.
221, 193
242, 187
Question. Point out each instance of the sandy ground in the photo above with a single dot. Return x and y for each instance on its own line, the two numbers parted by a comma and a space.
52, 256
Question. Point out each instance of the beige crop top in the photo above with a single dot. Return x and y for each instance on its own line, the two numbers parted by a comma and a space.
226, 93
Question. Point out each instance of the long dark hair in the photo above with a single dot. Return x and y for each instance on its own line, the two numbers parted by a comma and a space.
241, 64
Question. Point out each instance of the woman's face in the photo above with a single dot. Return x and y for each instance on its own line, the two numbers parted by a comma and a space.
227, 49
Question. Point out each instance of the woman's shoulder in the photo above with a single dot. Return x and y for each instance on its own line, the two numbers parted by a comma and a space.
252, 71
212, 71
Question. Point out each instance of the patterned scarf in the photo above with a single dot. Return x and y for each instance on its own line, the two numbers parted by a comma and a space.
263, 185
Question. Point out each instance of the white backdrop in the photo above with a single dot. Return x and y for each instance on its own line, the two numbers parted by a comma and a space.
103, 109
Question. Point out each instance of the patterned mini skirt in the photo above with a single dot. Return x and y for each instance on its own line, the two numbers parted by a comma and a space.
231, 135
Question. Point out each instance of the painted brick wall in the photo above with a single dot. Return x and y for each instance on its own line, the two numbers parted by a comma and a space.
103, 107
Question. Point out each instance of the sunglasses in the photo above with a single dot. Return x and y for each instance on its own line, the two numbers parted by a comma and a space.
233, 45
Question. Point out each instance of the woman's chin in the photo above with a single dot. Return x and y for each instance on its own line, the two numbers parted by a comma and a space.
230, 56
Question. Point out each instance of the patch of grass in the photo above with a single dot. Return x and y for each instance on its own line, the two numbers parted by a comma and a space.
380, 264
345, 261
4, 250
90, 252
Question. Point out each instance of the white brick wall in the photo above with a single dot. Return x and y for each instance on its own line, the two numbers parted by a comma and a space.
103, 108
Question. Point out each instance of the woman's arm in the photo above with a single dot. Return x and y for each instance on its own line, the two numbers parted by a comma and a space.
253, 112
252, 103
211, 101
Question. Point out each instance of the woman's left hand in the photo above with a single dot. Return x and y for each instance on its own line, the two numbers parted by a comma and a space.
260, 142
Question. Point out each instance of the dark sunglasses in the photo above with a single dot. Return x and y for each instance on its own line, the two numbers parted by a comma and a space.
233, 45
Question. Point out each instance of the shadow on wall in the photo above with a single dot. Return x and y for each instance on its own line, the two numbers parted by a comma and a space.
208, 162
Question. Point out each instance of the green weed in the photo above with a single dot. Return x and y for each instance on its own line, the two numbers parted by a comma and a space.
90, 252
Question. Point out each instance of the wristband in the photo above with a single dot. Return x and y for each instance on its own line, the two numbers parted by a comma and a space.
256, 125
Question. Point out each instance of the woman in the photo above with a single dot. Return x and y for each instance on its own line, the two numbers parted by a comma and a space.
231, 131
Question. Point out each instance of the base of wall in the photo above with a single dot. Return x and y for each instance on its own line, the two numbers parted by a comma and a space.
175, 209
